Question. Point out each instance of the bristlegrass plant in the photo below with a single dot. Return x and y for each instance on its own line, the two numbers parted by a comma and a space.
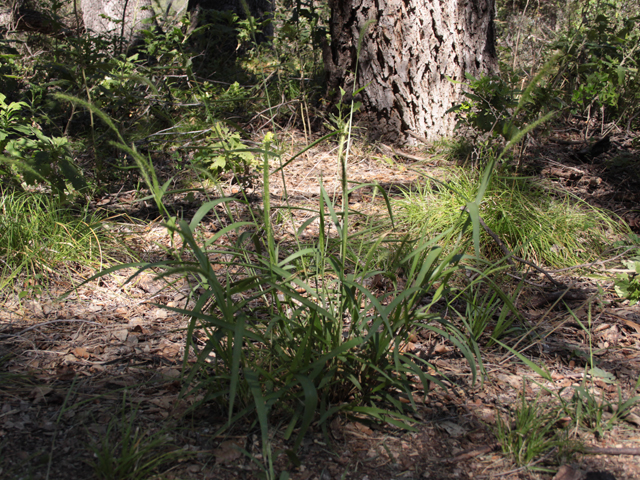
128, 452
293, 331
540, 225
484, 306
38, 237
593, 411
531, 434
586, 407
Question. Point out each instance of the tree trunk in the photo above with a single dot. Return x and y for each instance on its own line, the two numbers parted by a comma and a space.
31, 16
260, 9
106, 16
117, 18
407, 53
257, 8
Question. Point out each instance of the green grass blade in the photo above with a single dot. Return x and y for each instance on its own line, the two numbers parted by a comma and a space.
474, 215
543, 373
238, 340
310, 407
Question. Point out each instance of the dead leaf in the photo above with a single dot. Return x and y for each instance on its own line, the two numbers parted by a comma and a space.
408, 461
632, 418
170, 351
563, 422
170, 373
487, 416
149, 284
121, 334
453, 429
80, 352
407, 347
631, 324
38, 393
513, 380
336, 428
359, 428
165, 402
228, 451
66, 372
160, 314
135, 322
565, 472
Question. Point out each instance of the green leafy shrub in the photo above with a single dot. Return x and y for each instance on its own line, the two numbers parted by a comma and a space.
224, 151
489, 106
592, 64
33, 157
599, 61
496, 106
9, 67
627, 284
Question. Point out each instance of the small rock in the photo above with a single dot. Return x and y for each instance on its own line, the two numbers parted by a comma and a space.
566, 472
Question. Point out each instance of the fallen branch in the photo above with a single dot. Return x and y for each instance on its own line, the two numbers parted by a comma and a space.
65, 320
400, 153
597, 262
472, 453
612, 451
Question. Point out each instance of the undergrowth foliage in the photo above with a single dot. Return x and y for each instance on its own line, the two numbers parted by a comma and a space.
294, 330
598, 66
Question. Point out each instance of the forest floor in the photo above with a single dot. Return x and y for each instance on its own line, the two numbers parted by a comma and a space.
69, 366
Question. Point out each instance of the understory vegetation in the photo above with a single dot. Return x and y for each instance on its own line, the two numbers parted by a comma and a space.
301, 312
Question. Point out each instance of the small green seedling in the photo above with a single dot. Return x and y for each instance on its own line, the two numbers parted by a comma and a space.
627, 284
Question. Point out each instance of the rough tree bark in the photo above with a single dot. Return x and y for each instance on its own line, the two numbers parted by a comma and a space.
257, 8
119, 18
260, 9
105, 16
28, 16
407, 53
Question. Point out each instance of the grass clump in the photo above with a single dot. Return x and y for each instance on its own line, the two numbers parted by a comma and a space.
534, 223
531, 433
297, 332
39, 237
128, 452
